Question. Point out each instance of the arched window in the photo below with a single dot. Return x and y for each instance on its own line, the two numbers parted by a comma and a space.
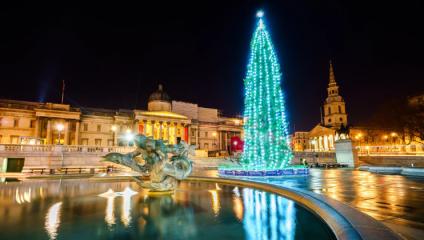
333, 91
340, 109
329, 110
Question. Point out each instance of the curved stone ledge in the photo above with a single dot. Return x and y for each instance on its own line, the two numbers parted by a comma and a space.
345, 221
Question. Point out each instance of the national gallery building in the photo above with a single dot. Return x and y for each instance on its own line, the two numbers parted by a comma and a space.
24, 122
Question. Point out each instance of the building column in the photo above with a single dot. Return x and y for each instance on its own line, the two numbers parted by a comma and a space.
49, 131
115, 135
175, 131
66, 140
160, 129
153, 128
168, 131
182, 131
225, 141
220, 141
136, 127
197, 137
37, 127
145, 128
77, 132
189, 134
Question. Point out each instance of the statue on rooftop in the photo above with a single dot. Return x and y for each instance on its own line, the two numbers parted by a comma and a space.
163, 176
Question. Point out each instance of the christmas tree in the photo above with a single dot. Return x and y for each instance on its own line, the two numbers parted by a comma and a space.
265, 127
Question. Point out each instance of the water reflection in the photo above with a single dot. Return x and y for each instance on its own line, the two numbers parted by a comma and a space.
126, 206
168, 215
267, 216
53, 220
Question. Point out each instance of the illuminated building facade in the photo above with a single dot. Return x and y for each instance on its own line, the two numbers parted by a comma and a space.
24, 122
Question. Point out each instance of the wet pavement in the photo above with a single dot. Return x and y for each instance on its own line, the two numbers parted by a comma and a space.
395, 200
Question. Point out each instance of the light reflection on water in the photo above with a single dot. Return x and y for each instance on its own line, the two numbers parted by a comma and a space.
53, 220
78, 209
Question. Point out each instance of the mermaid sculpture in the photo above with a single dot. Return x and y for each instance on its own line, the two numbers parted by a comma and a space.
163, 176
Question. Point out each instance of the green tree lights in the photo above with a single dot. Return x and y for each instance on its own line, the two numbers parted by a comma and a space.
265, 127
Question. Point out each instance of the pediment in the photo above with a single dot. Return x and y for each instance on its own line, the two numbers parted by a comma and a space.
320, 129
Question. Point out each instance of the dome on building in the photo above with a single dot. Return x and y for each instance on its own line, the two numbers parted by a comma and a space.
159, 95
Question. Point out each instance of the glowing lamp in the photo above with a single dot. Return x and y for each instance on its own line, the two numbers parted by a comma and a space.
128, 131
60, 127
113, 128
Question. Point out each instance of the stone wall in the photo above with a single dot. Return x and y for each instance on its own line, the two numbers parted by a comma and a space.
186, 109
323, 157
393, 160
207, 114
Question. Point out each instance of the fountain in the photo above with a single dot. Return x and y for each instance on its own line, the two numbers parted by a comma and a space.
163, 176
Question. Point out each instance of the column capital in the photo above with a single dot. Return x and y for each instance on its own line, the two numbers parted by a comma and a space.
160, 122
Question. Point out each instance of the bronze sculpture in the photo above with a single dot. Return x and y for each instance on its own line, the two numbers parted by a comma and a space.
163, 176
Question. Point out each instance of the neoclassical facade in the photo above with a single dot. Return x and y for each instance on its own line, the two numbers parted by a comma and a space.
24, 122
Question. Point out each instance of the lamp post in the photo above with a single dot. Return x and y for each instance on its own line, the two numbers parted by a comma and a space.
59, 127
235, 147
393, 142
113, 130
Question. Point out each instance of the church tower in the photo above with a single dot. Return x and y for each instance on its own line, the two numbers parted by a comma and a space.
334, 107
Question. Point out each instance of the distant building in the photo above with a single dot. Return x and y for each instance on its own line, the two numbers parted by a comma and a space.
300, 141
24, 122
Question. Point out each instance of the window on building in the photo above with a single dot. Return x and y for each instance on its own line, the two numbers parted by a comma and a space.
1, 120
85, 126
121, 128
340, 109
329, 120
110, 142
329, 110
98, 142
206, 134
45, 125
73, 127
192, 133
32, 124
333, 91
341, 119
206, 145
1, 137
84, 141
99, 128
16, 123
304, 141
213, 146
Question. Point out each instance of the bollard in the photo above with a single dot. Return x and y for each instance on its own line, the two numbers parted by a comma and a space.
51, 171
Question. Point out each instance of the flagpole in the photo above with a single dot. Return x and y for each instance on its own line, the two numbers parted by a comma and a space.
63, 89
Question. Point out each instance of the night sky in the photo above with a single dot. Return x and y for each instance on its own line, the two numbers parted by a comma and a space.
114, 54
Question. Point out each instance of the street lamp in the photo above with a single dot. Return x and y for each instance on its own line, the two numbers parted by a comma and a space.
235, 147
59, 127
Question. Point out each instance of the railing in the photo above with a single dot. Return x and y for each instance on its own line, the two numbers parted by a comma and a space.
386, 153
320, 154
63, 148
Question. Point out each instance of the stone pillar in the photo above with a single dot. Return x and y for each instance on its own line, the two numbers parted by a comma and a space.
77, 132
49, 131
153, 129
136, 127
175, 131
182, 131
168, 130
66, 140
346, 152
160, 129
37, 128
145, 127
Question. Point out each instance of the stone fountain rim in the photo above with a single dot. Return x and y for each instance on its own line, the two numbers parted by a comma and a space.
346, 222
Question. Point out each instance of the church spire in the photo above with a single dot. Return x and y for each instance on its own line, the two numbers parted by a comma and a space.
332, 79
